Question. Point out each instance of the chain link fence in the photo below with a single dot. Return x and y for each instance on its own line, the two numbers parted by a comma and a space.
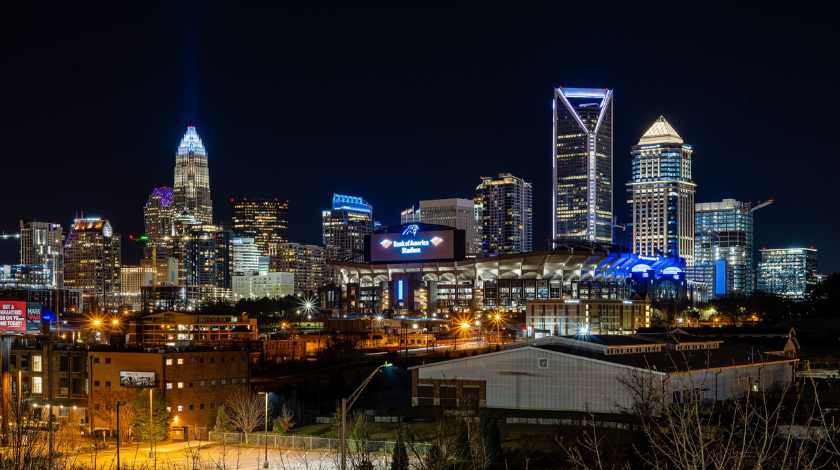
315, 443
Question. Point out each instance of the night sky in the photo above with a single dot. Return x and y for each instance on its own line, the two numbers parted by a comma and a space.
402, 101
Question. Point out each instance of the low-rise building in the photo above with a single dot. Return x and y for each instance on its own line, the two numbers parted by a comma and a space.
597, 317
170, 328
194, 382
257, 286
586, 373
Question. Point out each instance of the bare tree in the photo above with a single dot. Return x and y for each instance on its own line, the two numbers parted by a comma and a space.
105, 409
769, 429
244, 409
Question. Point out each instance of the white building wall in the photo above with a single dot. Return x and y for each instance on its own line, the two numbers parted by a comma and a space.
514, 379
271, 285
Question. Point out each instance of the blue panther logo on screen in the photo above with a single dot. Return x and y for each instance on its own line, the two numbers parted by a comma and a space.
411, 230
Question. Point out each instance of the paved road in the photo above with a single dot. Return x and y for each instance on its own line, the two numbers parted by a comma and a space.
188, 456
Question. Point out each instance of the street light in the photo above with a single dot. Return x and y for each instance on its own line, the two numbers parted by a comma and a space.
119, 403
151, 430
265, 463
347, 403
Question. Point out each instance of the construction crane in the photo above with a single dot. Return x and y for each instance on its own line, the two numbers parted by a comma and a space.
761, 204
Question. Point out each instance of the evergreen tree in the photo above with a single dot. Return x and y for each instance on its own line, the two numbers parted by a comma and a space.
462, 441
399, 458
161, 417
492, 436
222, 421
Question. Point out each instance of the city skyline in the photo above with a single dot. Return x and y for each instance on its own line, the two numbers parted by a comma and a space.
727, 168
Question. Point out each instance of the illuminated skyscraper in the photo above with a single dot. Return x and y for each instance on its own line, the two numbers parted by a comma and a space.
506, 217
92, 260
583, 165
305, 261
788, 272
192, 179
662, 194
266, 221
41, 245
724, 230
344, 228
158, 216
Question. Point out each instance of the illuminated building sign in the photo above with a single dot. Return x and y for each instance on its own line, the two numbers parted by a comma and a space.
411, 244
586, 105
400, 290
649, 258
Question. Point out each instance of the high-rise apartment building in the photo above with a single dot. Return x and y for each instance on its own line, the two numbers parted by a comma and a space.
207, 257
41, 245
455, 213
246, 256
92, 260
583, 165
192, 179
506, 215
266, 221
724, 230
158, 214
662, 194
344, 228
305, 261
788, 272
132, 278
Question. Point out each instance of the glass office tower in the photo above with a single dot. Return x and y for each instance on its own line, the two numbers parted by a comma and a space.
788, 272
506, 220
582, 168
724, 230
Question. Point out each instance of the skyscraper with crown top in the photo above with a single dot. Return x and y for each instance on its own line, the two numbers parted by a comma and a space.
662, 194
192, 179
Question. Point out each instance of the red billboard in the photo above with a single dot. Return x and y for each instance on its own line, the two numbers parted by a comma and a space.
12, 316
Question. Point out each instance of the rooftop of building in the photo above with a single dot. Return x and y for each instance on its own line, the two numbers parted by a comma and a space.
722, 331
350, 203
420, 227
567, 260
191, 143
661, 132
644, 354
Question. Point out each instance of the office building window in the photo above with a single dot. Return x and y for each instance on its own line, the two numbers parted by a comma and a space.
36, 363
180, 408
169, 362
95, 383
192, 407
168, 385
107, 384
96, 360
192, 361
191, 385
201, 406
37, 385
201, 360
201, 384
180, 361
180, 384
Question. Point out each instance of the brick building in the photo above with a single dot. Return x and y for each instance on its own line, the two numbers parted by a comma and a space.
200, 328
194, 382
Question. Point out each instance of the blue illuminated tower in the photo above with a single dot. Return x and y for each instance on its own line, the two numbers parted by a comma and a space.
344, 228
582, 168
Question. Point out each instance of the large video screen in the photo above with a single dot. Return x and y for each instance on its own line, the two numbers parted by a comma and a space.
413, 245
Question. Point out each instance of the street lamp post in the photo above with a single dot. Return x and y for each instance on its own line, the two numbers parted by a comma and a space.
347, 403
265, 463
119, 403
151, 431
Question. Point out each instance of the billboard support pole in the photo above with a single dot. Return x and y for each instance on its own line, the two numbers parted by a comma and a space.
5, 383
